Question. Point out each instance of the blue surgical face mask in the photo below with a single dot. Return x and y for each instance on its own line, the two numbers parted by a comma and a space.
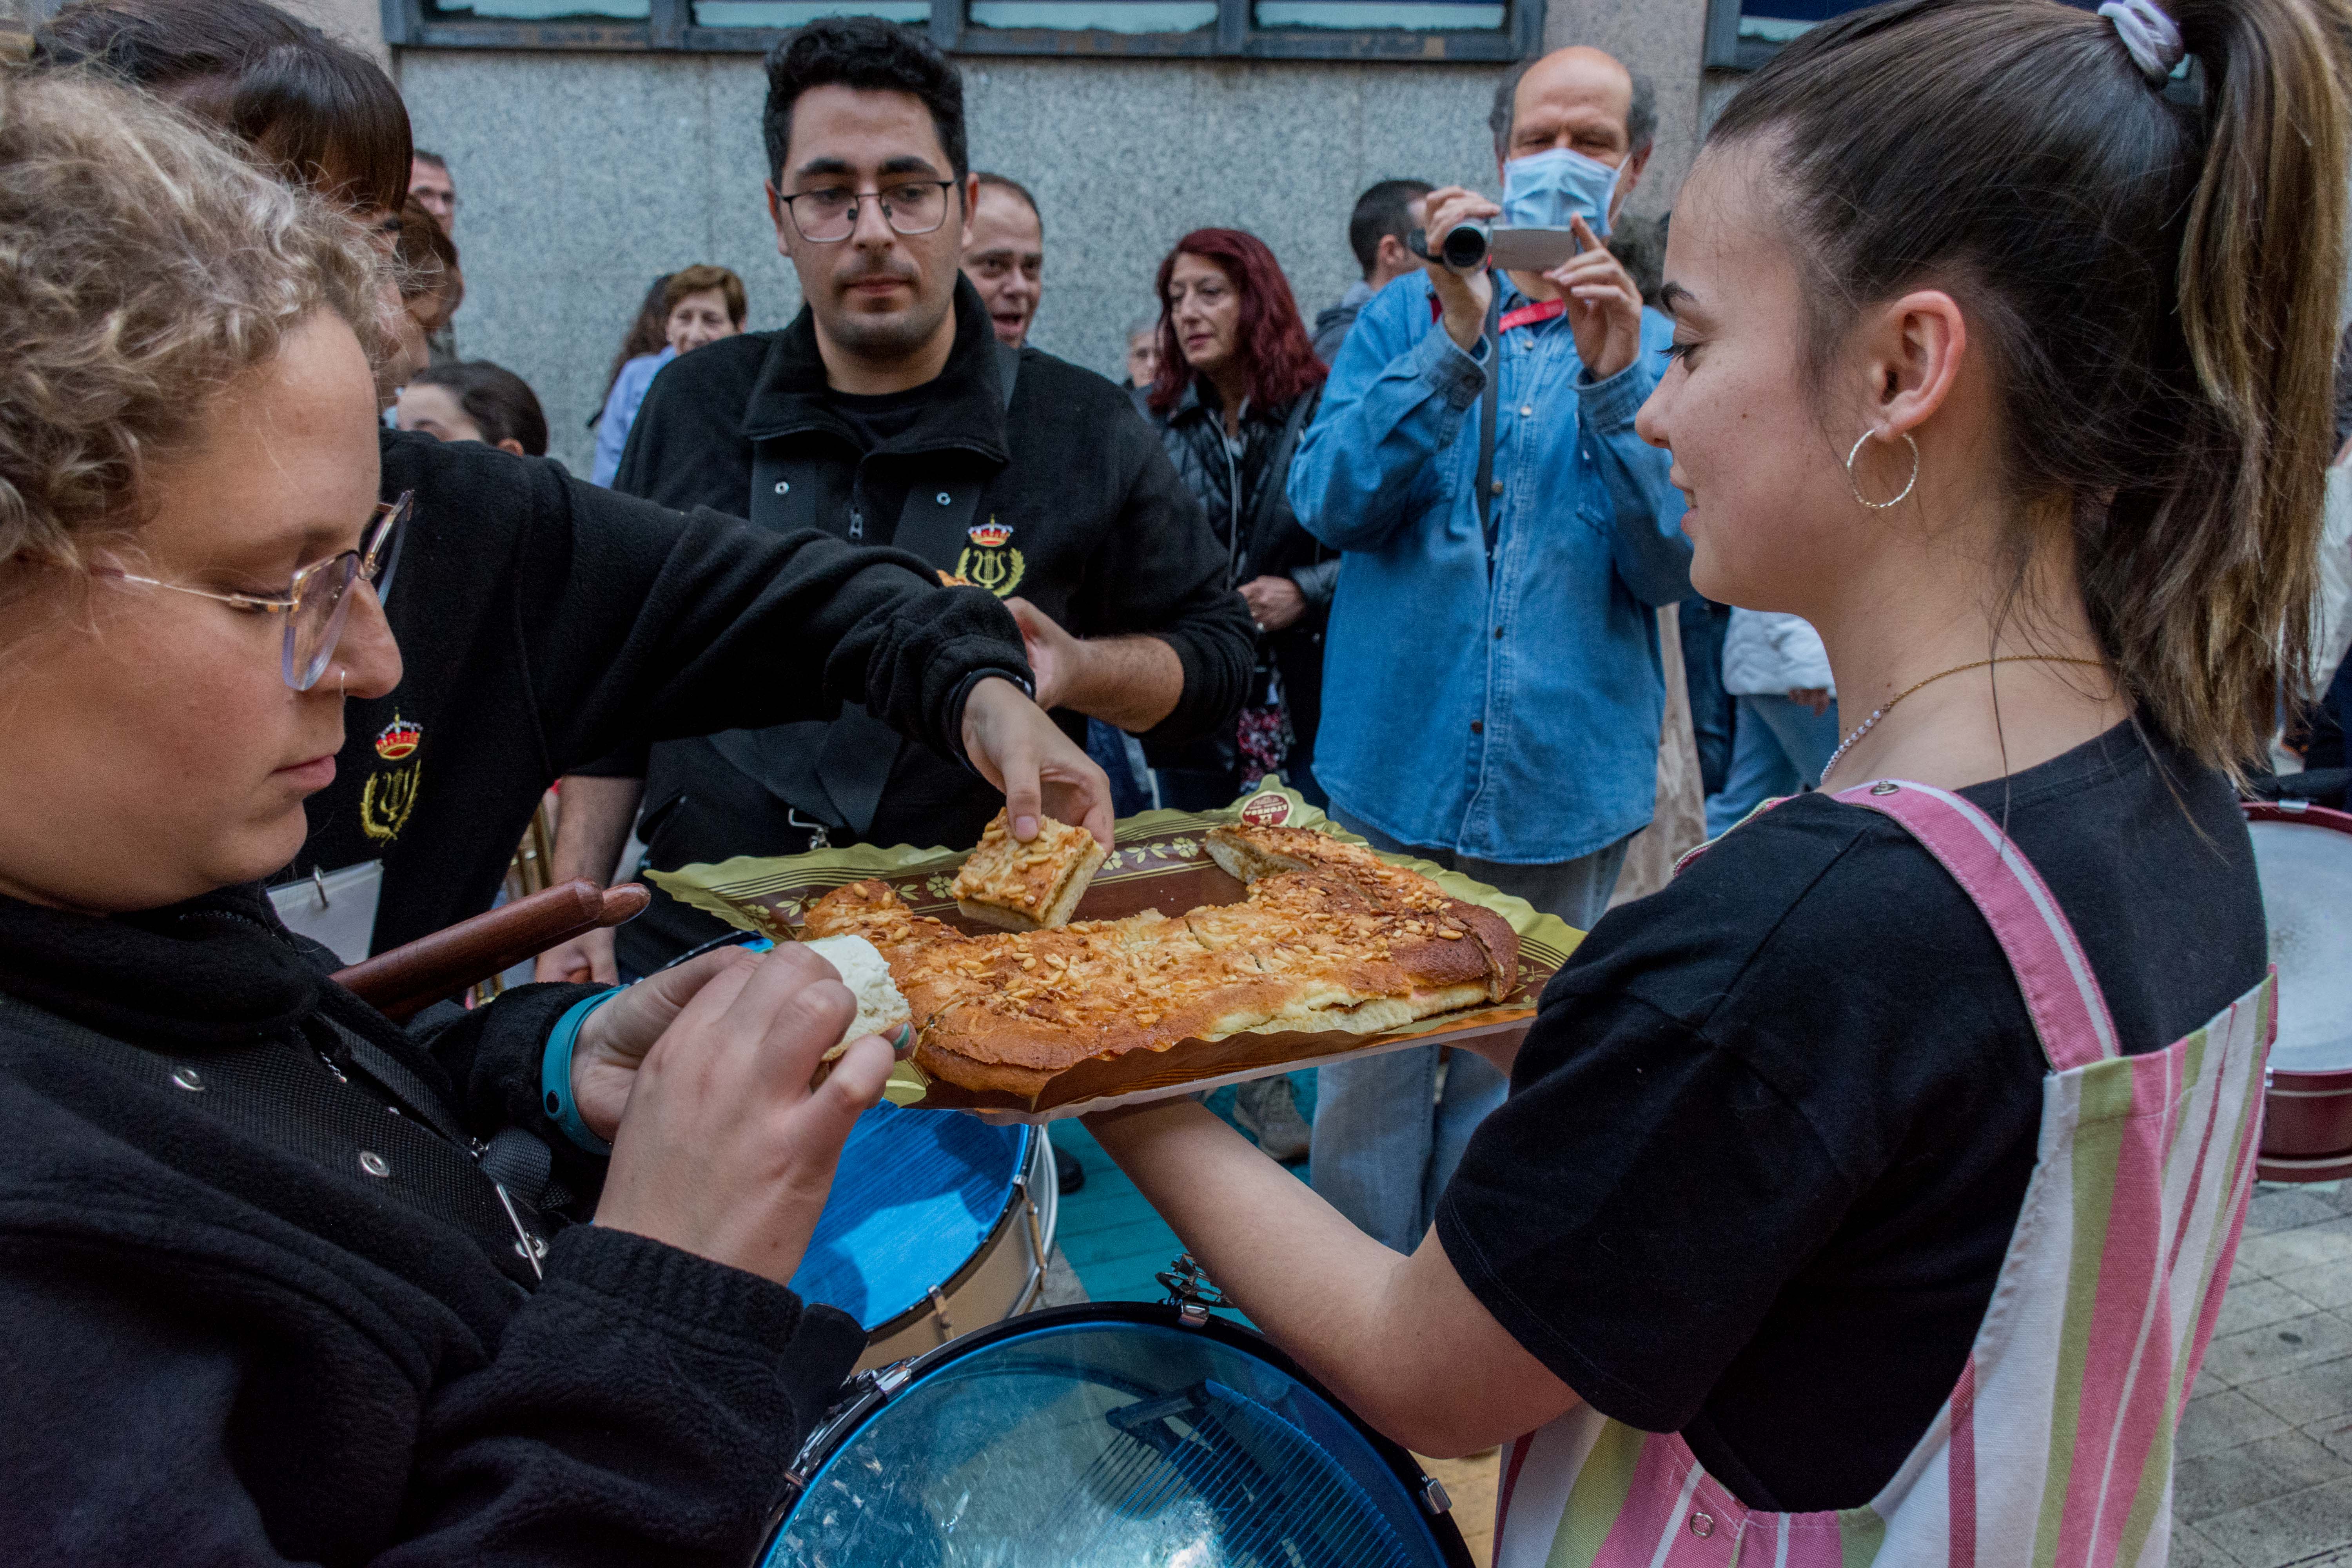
1544, 190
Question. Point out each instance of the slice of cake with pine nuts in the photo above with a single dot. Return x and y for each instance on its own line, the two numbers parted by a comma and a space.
1027, 886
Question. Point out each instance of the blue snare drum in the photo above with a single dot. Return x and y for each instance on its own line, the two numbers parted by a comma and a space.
1144, 1436
938, 1223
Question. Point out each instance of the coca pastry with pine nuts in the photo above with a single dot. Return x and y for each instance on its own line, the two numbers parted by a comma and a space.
1330, 943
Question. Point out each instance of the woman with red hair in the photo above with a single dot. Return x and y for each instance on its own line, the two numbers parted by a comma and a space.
1238, 382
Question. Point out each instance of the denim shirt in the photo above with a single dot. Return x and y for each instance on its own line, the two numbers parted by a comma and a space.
628, 393
1513, 720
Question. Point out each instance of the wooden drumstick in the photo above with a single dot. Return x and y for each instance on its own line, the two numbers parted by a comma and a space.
431, 969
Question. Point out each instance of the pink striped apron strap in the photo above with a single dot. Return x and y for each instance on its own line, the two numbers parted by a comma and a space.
2070, 1012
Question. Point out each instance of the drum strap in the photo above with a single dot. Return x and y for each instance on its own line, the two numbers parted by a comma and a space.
298, 1100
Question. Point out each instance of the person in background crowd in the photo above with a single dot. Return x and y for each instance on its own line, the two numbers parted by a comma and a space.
1515, 624
430, 187
1237, 386
475, 401
699, 305
545, 621
1778, 675
1142, 354
435, 191
1238, 383
1639, 244
644, 336
889, 412
431, 289
1384, 214
1700, 624
1848, 1208
1006, 258
264, 1304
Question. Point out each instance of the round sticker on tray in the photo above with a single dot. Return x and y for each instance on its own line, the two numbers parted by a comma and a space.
1266, 810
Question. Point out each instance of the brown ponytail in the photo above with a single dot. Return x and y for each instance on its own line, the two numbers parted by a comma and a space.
2155, 270
2261, 271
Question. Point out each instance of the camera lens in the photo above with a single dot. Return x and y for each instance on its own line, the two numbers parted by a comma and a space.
1465, 246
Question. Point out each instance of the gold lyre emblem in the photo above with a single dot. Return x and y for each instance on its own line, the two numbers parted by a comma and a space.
386, 800
991, 563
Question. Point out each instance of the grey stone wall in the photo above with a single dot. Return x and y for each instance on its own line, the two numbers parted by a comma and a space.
584, 176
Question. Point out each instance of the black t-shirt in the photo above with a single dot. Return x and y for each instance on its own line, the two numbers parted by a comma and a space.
874, 420
1770, 1133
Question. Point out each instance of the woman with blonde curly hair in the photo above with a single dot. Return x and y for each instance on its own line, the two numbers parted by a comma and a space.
264, 1303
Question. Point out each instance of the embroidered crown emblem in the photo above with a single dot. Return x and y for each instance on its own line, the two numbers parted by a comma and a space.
989, 535
398, 739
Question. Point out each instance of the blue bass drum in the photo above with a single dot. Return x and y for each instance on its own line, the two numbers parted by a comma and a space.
938, 1223
1116, 1434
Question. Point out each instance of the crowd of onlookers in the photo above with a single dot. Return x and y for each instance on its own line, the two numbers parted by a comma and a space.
1315, 464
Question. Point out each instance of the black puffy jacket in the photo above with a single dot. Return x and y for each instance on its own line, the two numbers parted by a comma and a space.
1242, 494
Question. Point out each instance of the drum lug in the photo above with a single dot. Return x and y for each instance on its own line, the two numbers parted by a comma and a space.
1037, 1244
1190, 1291
940, 1310
1432, 1496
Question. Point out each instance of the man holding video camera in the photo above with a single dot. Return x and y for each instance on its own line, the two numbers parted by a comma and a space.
1492, 671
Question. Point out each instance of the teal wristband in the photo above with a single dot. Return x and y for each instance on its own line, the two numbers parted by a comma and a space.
555, 1073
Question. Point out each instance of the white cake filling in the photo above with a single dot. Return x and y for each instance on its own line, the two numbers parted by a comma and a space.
881, 1009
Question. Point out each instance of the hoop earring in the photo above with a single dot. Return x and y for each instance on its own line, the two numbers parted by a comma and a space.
1856, 452
340, 674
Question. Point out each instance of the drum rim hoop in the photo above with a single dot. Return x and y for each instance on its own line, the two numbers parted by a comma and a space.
917, 1311
847, 1420
2301, 812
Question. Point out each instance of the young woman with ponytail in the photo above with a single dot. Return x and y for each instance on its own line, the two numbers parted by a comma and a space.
1868, 1194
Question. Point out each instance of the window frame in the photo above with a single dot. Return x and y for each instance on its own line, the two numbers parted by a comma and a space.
1725, 49
670, 28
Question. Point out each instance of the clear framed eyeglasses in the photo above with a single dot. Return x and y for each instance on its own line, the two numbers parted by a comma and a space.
318, 600
829, 215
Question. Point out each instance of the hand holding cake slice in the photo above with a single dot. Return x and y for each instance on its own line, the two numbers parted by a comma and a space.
1027, 886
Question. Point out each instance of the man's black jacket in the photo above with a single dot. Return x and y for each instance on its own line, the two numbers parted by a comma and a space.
544, 622
1079, 511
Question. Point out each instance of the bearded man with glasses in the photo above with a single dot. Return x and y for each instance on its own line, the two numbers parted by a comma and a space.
888, 414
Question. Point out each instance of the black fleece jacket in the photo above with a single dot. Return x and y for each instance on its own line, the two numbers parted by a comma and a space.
228, 1342
544, 622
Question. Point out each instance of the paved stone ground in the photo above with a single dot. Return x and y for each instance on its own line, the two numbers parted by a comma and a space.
2264, 1470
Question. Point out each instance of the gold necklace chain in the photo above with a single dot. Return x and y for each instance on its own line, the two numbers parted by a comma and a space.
1883, 709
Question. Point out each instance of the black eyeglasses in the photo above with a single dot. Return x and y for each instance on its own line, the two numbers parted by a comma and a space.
316, 603
829, 215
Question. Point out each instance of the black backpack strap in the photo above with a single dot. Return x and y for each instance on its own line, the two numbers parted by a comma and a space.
833, 773
291, 1095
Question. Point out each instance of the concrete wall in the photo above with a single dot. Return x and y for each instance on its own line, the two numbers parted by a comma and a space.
582, 177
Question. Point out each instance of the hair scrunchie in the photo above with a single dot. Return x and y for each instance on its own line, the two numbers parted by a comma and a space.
2151, 37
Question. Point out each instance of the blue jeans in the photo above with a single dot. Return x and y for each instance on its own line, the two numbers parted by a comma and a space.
1778, 747
1386, 1139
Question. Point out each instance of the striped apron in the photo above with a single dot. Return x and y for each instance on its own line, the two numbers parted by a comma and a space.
2055, 1448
